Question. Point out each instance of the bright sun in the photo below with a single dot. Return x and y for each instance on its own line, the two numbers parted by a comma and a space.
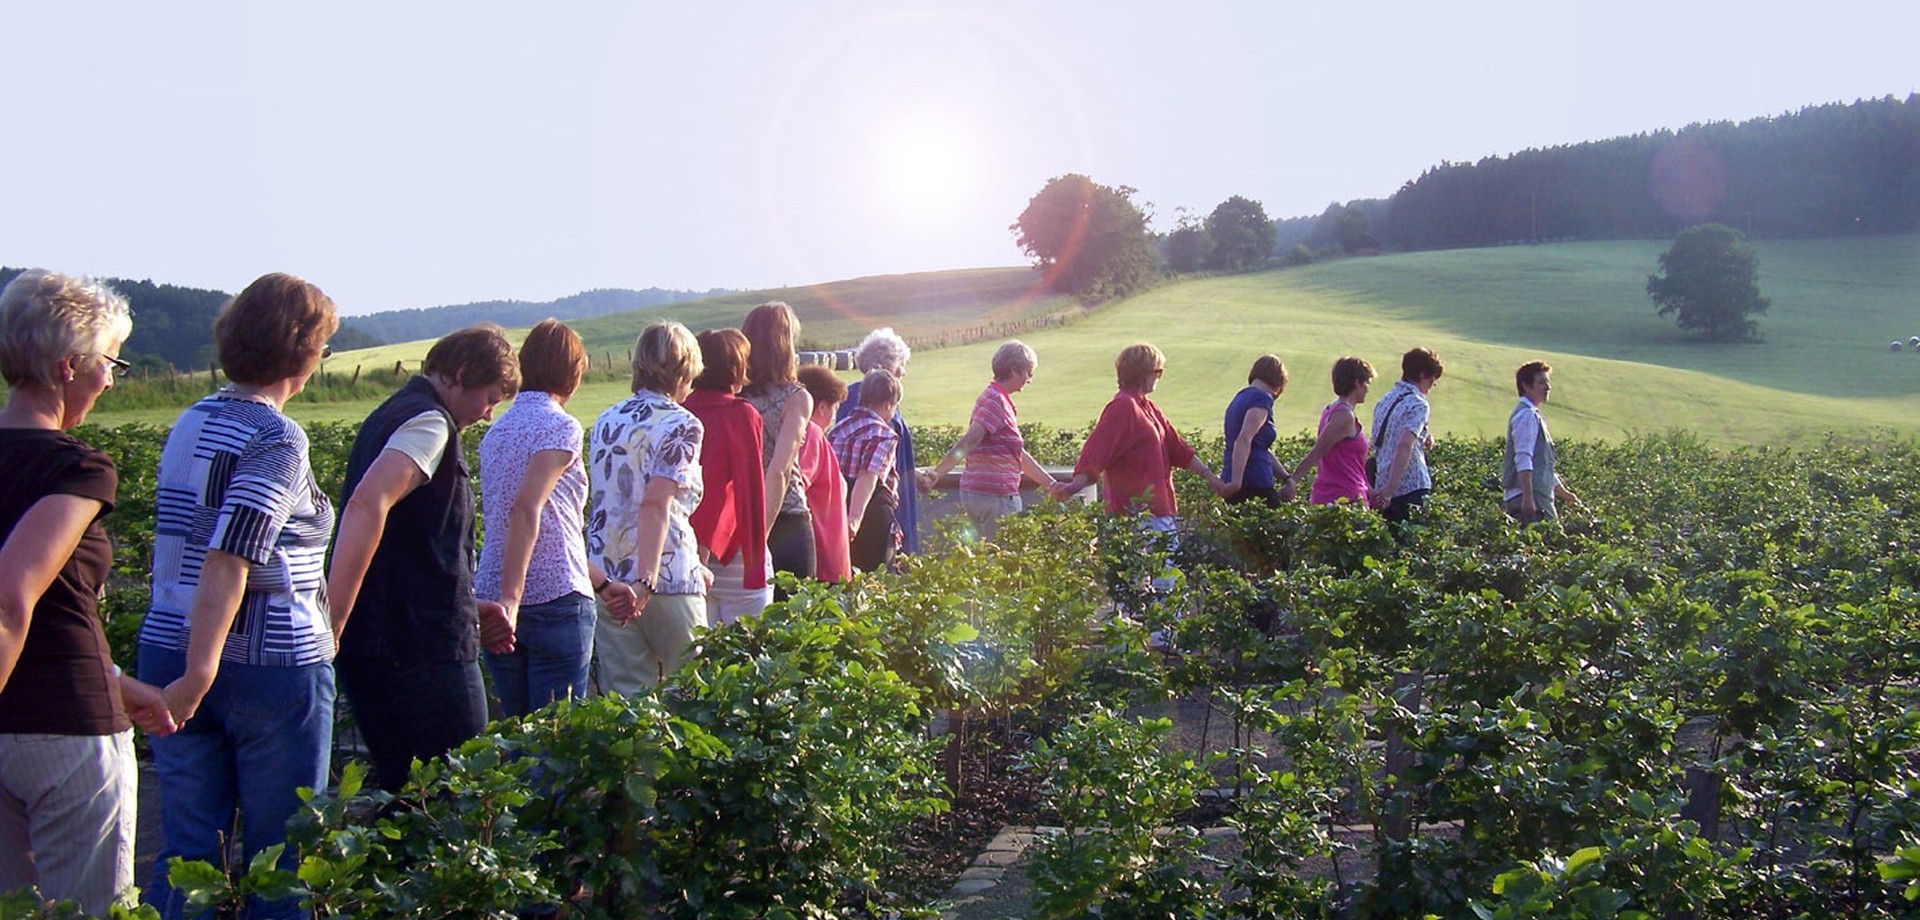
925, 170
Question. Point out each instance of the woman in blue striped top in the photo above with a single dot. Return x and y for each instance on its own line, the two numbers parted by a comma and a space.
238, 632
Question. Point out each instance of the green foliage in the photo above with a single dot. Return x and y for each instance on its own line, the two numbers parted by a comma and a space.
1116, 785
1241, 233
1089, 239
1710, 281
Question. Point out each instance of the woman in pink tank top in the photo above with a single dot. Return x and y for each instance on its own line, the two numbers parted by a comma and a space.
1340, 451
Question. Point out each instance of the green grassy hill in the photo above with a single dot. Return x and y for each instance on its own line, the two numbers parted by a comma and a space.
1620, 368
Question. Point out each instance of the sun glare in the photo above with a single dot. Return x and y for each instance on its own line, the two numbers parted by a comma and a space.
925, 171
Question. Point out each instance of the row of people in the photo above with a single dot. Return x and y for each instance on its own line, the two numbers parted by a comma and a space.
723, 466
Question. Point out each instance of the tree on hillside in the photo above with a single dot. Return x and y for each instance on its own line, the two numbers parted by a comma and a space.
1710, 280
1186, 248
1090, 239
1242, 235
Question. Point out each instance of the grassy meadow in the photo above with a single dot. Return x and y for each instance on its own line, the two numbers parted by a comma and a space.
1619, 369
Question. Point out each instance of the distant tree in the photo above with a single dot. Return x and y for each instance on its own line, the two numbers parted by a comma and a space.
1186, 248
1709, 279
1090, 239
350, 337
1242, 235
1299, 255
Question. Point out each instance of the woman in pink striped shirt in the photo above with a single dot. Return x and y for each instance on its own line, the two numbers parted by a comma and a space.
995, 453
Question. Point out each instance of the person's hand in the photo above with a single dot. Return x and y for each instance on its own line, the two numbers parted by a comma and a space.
1573, 499
926, 480
497, 625
1287, 491
706, 580
1060, 491
1378, 501
181, 699
147, 707
1223, 488
1529, 509
619, 598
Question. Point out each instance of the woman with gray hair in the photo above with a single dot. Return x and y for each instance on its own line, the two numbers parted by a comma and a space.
884, 350
67, 773
995, 453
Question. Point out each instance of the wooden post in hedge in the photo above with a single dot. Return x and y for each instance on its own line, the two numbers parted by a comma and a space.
1703, 801
1398, 825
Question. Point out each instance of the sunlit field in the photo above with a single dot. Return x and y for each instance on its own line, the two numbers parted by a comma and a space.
1824, 366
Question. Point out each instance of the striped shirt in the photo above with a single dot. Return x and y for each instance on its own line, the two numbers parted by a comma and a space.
235, 476
993, 467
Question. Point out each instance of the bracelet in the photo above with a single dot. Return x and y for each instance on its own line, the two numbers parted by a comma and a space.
602, 586
646, 583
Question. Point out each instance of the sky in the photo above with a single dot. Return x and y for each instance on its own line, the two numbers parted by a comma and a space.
415, 154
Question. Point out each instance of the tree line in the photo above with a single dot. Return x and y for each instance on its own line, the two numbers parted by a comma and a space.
1827, 170
432, 322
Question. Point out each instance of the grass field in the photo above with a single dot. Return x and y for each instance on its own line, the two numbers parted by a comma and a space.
1620, 369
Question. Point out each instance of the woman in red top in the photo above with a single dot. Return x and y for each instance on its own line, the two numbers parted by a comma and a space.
1133, 449
826, 491
731, 522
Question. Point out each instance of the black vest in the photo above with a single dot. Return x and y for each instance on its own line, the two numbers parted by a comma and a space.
417, 600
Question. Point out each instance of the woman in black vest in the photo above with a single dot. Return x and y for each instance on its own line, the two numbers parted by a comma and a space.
403, 559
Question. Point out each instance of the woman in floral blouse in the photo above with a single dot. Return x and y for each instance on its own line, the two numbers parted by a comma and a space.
644, 458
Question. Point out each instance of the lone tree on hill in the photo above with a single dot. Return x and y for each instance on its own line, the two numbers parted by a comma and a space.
1710, 280
1242, 235
1187, 247
1090, 239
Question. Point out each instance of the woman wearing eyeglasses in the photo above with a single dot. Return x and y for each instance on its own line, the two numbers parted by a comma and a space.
67, 772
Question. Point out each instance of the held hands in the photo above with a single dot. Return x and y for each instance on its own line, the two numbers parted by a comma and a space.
622, 601
497, 625
178, 702
926, 480
147, 707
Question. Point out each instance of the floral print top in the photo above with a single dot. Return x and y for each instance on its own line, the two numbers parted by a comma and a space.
633, 442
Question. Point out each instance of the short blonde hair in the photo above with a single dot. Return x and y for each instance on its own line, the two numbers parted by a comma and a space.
666, 357
1012, 358
1137, 364
45, 317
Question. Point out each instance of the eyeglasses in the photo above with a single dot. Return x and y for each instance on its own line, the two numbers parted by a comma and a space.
117, 367
326, 351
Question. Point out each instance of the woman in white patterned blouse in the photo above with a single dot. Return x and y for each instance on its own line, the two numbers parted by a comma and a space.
644, 460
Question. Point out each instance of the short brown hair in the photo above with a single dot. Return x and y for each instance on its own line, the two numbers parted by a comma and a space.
666, 357
273, 330
477, 356
724, 353
825, 386
771, 328
1528, 373
1350, 372
879, 388
1268, 370
552, 359
1418, 363
1136, 364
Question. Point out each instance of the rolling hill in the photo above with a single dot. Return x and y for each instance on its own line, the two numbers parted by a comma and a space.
1620, 369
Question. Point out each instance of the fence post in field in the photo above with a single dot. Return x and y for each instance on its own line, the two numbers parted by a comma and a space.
356, 375
1396, 818
1703, 801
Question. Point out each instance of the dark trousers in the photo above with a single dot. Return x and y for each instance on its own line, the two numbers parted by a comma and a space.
1267, 497
872, 548
1402, 506
409, 709
790, 546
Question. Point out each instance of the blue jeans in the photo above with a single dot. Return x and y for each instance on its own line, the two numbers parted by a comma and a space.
260, 734
553, 646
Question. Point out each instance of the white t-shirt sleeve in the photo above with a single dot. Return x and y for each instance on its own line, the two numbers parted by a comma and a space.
423, 439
